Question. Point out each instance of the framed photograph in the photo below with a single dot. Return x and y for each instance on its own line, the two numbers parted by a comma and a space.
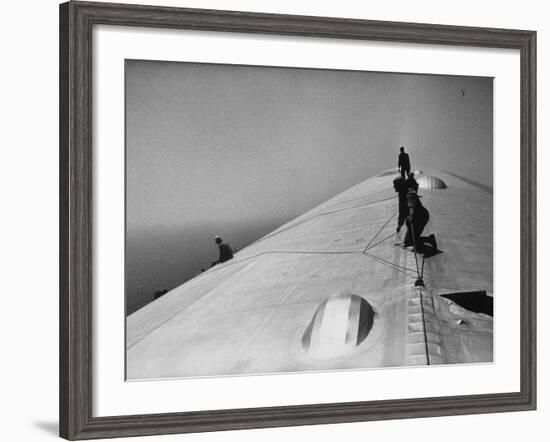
271, 220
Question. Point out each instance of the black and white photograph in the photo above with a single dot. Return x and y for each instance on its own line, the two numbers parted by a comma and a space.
291, 220
284, 220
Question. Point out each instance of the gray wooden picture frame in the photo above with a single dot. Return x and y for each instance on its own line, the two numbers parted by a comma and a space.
76, 164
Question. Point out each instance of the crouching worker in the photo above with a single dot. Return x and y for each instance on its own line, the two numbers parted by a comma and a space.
416, 221
226, 252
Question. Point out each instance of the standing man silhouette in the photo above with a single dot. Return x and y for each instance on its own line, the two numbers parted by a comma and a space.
400, 186
403, 163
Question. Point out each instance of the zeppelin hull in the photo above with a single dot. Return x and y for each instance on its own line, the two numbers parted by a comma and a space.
331, 290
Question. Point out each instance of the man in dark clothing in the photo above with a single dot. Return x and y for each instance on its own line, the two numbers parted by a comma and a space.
400, 186
411, 182
403, 163
226, 252
416, 221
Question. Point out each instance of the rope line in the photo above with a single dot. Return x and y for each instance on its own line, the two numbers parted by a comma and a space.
380, 231
371, 244
422, 271
336, 203
379, 261
392, 266
389, 263
315, 252
309, 252
421, 294
282, 230
273, 252
415, 250
426, 346
379, 242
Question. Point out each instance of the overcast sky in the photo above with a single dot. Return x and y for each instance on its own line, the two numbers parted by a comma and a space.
238, 150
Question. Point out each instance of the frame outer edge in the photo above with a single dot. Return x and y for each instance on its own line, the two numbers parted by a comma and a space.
82, 217
64, 367
533, 195
75, 222
529, 216
312, 26
76, 22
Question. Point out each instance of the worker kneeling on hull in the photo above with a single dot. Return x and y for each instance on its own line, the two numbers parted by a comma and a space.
416, 222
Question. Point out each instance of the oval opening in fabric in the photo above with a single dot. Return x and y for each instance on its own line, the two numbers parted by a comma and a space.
431, 182
340, 324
